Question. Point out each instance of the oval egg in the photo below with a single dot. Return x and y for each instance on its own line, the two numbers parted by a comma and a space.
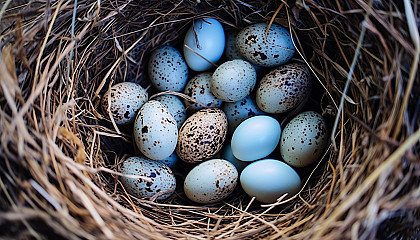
211, 181
207, 38
167, 69
237, 112
155, 131
284, 88
162, 183
255, 138
202, 135
304, 139
126, 99
269, 179
198, 88
272, 51
175, 107
233, 80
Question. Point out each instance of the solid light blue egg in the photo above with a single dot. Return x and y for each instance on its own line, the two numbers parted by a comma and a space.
207, 38
255, 138
269, 179
228, 155
171, 160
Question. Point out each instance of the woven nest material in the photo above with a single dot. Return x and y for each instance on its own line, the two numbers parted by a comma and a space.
60, 154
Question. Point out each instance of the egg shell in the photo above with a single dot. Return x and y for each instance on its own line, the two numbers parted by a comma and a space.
233, 80
304, 139
198, 88
228, 155
272, 51
231, 50
155, 131
126, 99
167, 69
284, 88
207, 38
237, 112
202, 135
211, 181
171, 160
255, 138
175, 107
162, 179
269, 179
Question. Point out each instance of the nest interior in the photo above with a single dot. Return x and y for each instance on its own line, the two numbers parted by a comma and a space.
59, 153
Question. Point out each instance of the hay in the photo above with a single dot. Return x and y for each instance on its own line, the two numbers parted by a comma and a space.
60, 155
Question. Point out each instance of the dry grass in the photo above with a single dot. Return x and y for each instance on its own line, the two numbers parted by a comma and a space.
59, 154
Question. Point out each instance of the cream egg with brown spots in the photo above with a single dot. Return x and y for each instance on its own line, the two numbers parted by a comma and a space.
211, 181
202, 135
304, 139
158, 180
284, 88
155, 131
125, 98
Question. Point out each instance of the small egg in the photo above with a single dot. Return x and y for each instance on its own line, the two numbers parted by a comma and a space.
231, 50
162, 182
272, 51
228, 155
304, 139
211, 181
175, 107
207, 38
198, 88
284, 88
237, 112
126, 99
255, 138
171, 160
269, 179
233, 80
155, 131
202, 135
167, 69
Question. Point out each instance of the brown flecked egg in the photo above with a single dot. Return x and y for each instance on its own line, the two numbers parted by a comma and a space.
265, 50
162, 181
155, 131
304, 139
211, 181
202, 135
284, 88
198, 88
126, 99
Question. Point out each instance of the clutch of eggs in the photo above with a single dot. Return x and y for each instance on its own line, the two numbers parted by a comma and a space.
223, 99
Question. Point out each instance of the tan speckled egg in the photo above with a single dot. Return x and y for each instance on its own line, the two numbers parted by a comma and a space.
126, 99
155, 131
304, 139
284, 88
162, 183
211, 181
202, 135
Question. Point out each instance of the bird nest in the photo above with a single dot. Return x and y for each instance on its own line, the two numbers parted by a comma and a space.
60, 153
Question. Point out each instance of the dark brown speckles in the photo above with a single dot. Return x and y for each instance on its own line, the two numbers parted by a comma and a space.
197, 141
198, 88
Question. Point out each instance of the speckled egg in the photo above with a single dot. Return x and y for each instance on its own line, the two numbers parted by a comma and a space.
284, 88
155, 131
233, 80
211, 181
171, 160
175, 107
162, 181
198, 88
237, 112
231, 50
204, 42
202, 135
272, 51
304, 139
167, 69
126, 99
